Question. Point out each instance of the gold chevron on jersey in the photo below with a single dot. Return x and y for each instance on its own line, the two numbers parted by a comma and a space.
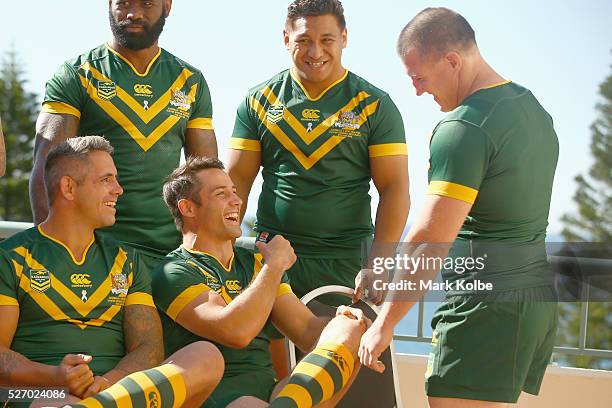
307, 161
296, 125
37, 281
146, 115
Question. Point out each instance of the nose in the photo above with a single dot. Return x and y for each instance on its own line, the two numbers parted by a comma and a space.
117, 190
134, 12
315, 51
418, 88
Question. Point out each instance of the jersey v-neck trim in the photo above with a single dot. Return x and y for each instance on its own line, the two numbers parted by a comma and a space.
108, 47
294, 77
228, 269
57, 241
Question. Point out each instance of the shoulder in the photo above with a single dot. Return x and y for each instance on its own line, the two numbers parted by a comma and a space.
21, 239
275, 82
166, 57
359, 84
89, 57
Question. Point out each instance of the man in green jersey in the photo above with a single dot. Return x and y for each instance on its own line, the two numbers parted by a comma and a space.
148, 103
492, 163
75, 307
209, 289
320, 134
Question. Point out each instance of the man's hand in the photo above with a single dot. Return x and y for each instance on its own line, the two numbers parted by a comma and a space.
364, 287
374, 341
354, 313
100, 383
75, 373
278, 253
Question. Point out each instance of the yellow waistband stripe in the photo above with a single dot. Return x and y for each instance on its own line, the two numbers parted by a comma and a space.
452, 190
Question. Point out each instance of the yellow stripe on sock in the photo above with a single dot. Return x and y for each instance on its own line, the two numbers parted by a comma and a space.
174, 376
320, 375
298, 394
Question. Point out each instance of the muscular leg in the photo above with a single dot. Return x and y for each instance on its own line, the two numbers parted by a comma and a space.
438, 402
185, 379
325, 374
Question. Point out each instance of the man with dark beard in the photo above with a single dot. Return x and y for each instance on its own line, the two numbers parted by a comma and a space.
147, 103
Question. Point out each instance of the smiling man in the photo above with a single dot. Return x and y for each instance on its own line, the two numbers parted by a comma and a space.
75, 307
209, 289
148, 103
492, 164
320, 134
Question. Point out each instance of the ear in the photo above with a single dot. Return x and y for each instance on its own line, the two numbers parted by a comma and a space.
344, 37
67, 188
186, 208
454, 60
286, 38
168, 7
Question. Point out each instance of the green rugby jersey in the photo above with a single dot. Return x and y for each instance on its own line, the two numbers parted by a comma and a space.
188, 274
68, 306
315, 157
498, 151
145, 117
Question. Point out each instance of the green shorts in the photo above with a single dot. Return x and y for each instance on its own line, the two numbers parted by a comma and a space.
255, 384
492, 349
308, 274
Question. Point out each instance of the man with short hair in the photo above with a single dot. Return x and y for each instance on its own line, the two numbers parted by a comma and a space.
320, 134
75, 307
209, 289
492, 163
148, 103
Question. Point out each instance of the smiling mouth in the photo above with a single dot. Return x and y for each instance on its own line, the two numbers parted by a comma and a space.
316, 65
111, 204
233, 216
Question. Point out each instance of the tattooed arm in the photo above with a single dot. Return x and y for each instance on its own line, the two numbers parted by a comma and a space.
16, 370
142, 334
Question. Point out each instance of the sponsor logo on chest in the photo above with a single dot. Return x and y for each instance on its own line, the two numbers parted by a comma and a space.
144, 90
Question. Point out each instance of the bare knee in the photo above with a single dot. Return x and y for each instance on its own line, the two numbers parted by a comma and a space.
343, 330
201, 363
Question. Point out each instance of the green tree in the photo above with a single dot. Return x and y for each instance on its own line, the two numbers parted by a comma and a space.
592, 223
19, 110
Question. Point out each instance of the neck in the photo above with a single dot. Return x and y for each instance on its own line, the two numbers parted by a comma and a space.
76, 236
479, 75
315, 89
139, 59
223, 250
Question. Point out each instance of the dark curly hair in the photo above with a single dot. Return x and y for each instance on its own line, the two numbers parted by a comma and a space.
313, 8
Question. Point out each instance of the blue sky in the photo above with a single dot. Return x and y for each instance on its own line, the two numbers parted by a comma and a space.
558, 49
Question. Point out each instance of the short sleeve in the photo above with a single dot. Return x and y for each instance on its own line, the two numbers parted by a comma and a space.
8, 281
175, 286
459, 158
201, 115
245, 135
64, 92
387, 137
139, 292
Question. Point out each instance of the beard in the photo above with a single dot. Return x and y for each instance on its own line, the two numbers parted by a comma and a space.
139, 40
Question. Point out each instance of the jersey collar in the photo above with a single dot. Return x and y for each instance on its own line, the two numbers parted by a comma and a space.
108, 47
295, 78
